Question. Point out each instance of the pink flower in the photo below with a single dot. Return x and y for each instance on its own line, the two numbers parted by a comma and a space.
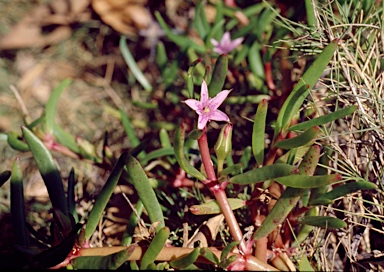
226, 45
206, 108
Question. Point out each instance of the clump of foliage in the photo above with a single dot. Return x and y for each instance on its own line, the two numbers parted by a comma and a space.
282, 187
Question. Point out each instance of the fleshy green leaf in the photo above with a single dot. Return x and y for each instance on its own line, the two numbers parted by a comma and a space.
300, 140
181, 41
212, 207
179, 154
306, 182
65, 139
154, 248
219, 75
324, 119
304, 264
48, 170
305, 230
109, 262
104, 196
290, 196
259, 131
246, 156
255, 61
200, 21
4, 176
17, 205
311, 18
137, 176
294, 101
262, 174
253, 99
161, 152
17, 144
224, 254
344, 190
310, 160
323, 222
71, 195
279, 212
187, 260
164, 138
209, 255
190, 73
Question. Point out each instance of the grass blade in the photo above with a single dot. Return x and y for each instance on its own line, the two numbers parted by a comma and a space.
130, 61
50, 107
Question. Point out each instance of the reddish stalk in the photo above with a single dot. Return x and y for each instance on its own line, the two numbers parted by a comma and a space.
218, 191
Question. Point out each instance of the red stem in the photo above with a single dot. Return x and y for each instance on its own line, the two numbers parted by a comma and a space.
219, 193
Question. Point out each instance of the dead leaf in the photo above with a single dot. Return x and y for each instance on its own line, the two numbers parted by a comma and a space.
212, 226
28, 32
125, 16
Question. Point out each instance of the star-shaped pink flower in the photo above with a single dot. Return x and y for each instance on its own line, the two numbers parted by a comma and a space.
226, 45
206, 108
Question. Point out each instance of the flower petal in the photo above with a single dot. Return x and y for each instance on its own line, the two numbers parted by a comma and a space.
202, 121
219, 50
236, 42
214, 42
204, 96
226, 39
218, 115
218, 99
193, 104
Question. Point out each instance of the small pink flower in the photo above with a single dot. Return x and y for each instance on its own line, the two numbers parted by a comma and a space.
226, 45
206, 108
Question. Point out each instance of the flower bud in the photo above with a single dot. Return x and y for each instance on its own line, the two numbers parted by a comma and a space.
223, 145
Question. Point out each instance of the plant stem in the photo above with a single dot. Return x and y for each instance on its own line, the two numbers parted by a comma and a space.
219, 192
172, 253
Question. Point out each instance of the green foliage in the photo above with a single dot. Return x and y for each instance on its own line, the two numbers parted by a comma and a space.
112, 261
48, 169
294, 165
154, 248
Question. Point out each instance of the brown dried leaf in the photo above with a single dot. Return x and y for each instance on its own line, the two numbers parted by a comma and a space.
126, 17
213, 226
